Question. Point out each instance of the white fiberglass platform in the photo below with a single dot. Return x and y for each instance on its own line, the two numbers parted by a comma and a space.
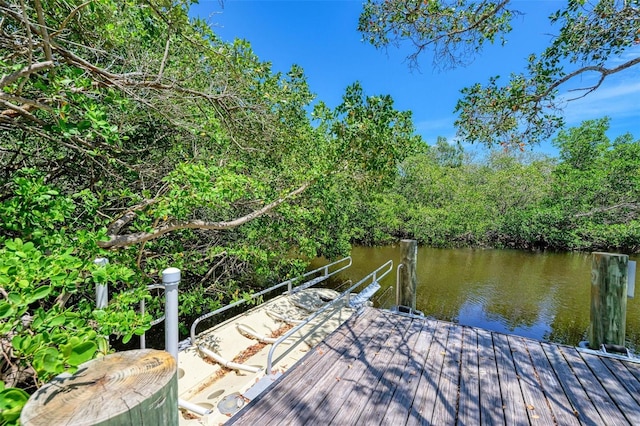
206, 383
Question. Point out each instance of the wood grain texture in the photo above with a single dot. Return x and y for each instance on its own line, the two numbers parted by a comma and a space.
138, 387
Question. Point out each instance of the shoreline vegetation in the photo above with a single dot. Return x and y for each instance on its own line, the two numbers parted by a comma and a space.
586, 199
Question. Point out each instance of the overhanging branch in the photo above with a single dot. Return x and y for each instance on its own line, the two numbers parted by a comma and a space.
125, 240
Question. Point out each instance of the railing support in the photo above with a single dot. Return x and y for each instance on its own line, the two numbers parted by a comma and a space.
102, 290
170, 280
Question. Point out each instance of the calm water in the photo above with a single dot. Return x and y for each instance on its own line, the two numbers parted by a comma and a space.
545, 296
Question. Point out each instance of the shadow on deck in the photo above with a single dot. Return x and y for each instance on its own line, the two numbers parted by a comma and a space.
382, 368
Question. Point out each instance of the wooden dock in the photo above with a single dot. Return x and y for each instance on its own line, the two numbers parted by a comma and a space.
385, 369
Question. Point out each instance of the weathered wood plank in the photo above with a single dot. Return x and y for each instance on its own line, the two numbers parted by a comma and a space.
335, 347
355, 390
339, 378
634, 368
628, 407
535, 401
446, 404
607, 408
585, 410
399, 406
469, 399
386, 388
625, 375
423, 403
563, 410
491, 411
515, 411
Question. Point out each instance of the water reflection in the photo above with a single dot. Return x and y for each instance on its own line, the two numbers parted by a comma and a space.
544, 296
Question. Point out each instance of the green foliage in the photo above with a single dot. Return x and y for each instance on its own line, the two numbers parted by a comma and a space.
46, 317
455, 30
11, 402
587, 199
35, 208
369, 135
154, 139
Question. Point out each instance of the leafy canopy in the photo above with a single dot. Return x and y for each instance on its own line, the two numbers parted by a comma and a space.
592, 40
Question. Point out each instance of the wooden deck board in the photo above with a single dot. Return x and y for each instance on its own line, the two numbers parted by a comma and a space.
387, 369
445, 409
332, 349
388, 377
626, 379
623, 400
536, 405
405, 394
424, 400
563, 411
598, 394
585, 411
491, 412
311, 404
515, 411
350, 391
469, 401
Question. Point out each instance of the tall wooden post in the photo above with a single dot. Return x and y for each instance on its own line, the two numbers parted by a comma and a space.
408, 281
608, 299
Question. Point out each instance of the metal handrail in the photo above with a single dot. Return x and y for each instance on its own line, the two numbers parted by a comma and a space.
143, 336
289, 283
398, 286
381, 299
388, 266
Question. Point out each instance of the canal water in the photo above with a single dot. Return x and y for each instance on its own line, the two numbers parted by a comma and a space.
542, 295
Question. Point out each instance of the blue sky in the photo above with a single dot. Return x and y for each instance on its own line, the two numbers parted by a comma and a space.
321, 37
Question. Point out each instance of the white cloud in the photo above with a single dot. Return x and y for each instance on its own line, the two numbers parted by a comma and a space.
621, 100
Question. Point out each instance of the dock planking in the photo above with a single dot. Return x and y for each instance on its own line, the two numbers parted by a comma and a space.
387, 369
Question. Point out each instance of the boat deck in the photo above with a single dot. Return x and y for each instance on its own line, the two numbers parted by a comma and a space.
383, 368
206, 383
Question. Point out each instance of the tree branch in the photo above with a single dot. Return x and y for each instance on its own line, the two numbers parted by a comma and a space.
631, 206
24, 72
140, 237
68, 18
604, 72
43, 31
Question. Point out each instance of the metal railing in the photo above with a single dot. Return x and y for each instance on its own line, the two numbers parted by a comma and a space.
143, 336
341, 265
170, 282
374, 276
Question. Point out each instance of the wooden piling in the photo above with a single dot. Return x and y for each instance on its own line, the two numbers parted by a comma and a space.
408, 281
608, 299
138, 387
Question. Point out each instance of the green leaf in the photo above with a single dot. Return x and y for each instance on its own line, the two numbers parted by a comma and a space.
39, 293
15, 298
47, 360
6, 309
82, 353
56, 321
11, 402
